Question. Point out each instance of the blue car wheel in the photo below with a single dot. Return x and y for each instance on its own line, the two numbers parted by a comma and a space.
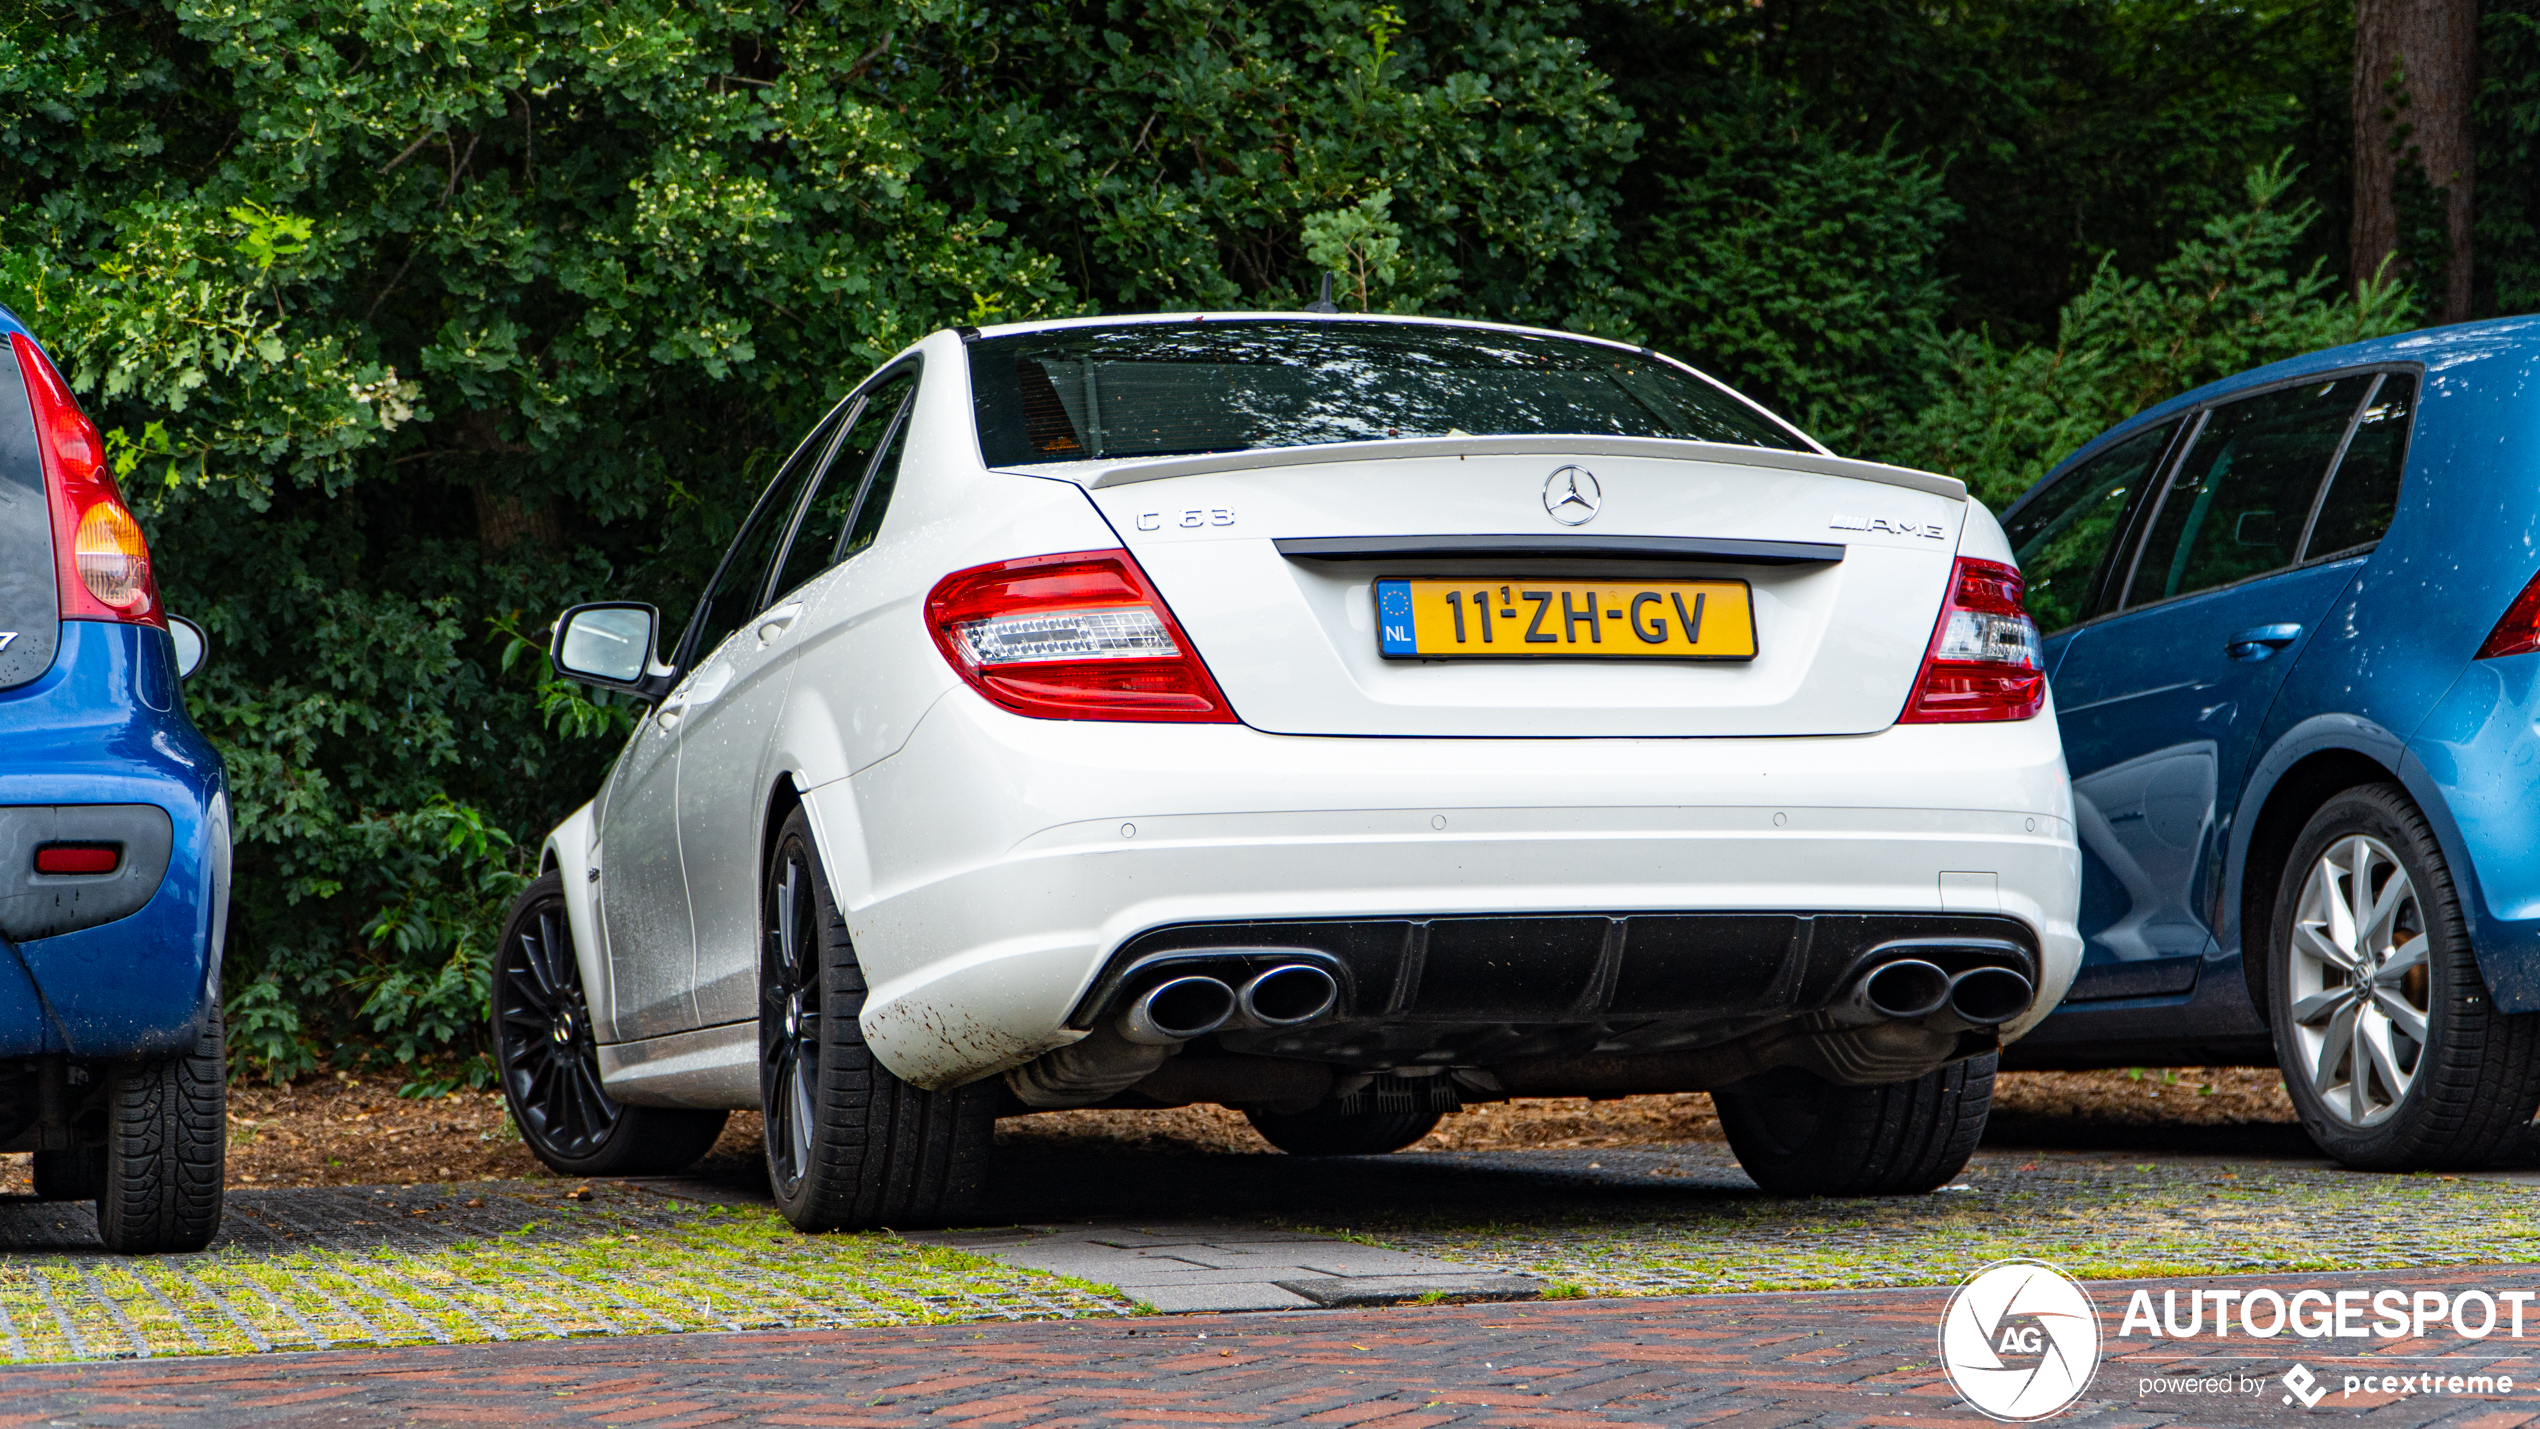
2395, 1055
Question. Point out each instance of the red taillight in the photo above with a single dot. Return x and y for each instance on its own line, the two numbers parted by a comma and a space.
1078, 636
1983, 662
77, 858
103, 562
2518, 631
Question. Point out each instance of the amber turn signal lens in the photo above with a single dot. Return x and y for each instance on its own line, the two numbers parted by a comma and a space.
113, 561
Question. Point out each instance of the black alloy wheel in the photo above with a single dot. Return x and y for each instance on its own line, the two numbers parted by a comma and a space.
789, 1023
849, 1144
548, 1059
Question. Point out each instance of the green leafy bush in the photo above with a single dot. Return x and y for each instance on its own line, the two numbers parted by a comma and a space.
410, 325
2223, 303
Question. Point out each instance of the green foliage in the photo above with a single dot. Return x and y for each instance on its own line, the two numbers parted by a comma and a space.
1361, 244
410, 325
2065, 130
2507, 132
2221, 304
1806, 273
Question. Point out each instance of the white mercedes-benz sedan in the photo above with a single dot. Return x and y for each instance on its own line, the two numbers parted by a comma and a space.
1341, 719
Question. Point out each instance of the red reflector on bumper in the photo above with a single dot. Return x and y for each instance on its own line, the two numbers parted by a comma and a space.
78, 858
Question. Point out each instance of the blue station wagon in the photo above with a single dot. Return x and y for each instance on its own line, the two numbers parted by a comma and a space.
114, 843
2293, 630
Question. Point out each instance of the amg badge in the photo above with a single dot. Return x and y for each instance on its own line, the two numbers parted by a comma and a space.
1931, 530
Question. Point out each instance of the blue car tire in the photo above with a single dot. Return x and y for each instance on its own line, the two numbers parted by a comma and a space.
2394, 1052
167, 1124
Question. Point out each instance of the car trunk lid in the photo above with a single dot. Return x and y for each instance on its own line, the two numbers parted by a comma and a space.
1271, 561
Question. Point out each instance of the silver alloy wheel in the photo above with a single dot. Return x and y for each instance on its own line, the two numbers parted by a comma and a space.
2360, 989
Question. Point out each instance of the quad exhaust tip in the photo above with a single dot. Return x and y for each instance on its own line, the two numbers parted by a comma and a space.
1177, 1010
1910, 989
1989, 997
1289, 995
1903, 990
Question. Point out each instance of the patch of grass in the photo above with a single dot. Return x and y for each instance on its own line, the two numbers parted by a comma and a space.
585, 1272
2095, 1219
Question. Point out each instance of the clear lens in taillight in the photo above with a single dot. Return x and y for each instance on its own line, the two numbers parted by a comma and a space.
1984, 661
1075, 636
113, 562
1120, 633
104, 563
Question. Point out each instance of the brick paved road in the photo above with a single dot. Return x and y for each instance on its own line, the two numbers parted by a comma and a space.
1725, 1362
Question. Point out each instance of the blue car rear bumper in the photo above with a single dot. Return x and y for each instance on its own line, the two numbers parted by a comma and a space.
106, 726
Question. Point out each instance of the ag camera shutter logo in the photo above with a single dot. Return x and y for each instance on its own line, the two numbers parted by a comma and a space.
2020, 1340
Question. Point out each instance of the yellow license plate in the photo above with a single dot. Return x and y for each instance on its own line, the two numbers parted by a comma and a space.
1432, 619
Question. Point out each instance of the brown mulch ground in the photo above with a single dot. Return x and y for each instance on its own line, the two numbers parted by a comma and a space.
2149, 1101
357, 1131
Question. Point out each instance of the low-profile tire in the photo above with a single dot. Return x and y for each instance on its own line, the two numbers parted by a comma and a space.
1315, 1133
76, 1173
548, 1061
1798, 1135
167, 1137
2370, 972
850, 1146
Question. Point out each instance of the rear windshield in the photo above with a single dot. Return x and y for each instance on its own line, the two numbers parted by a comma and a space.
1164, 389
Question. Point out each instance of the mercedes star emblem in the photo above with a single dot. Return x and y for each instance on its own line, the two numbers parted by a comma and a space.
1571, 496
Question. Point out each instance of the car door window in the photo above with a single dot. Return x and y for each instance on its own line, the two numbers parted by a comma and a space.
877, 490
2062, 536
817, 543
742, 579
2238, 502
2364, 493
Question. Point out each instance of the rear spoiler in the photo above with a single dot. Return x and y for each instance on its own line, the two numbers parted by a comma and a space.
1098, 475
1609, 548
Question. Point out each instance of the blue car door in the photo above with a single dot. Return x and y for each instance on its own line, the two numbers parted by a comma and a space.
2160, 703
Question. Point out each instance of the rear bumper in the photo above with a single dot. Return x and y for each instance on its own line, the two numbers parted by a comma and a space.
993, 868
100, 747
2469, 767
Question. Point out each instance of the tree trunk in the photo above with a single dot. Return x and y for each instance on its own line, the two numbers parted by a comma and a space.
504, 520
2415, 73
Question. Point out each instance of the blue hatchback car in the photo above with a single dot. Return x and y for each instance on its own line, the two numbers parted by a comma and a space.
114, 843
2293, 630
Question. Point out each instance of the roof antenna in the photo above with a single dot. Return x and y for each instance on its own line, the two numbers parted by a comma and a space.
1324, 304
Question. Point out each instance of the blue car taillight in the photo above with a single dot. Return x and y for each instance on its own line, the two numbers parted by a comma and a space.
2517, 631
104, 564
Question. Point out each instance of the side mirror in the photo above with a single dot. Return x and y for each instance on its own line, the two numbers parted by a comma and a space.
610, 644
192, 645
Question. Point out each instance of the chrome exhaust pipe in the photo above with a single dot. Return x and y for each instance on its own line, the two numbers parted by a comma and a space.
1177, 1010
1900, 991
1287, 996
1989, 997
